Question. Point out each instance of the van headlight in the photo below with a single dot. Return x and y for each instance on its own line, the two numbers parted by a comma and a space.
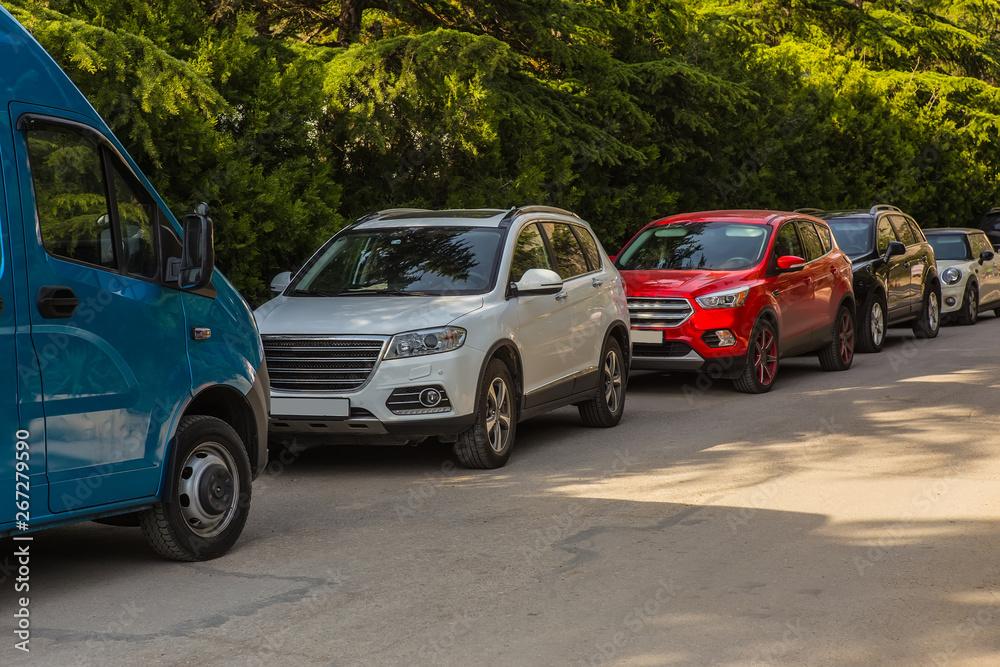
726, 299
425, 341
951, 275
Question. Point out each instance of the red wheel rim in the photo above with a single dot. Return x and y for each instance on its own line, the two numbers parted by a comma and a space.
765, 357
846, 338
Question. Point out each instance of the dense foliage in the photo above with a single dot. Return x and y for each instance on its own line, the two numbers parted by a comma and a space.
292, 117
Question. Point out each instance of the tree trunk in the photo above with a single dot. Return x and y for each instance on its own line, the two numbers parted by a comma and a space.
350, 21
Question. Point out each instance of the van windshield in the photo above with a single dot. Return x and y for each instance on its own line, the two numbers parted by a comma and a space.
709, 246
417, 261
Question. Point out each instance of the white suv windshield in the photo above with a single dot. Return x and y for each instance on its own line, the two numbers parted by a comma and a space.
404, 260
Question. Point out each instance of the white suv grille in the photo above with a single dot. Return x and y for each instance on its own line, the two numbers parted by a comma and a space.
323, 364
658, 313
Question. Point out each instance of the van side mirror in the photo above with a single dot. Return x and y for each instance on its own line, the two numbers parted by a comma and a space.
986, 256
198, 254
281, 281
537, 281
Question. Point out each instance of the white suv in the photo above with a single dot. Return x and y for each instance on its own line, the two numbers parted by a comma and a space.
455, 324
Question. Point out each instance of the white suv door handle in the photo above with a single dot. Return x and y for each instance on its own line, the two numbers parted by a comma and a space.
596, 282
561, 296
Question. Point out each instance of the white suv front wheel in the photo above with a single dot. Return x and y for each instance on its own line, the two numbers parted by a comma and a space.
488, 442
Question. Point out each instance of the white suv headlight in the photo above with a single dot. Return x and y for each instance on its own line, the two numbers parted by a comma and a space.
425, 341
729, 298
951, 275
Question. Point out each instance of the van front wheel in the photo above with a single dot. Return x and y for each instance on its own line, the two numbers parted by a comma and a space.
208, 497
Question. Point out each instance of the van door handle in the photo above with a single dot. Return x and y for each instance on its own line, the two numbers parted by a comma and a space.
57, 302
561, 296
596, 282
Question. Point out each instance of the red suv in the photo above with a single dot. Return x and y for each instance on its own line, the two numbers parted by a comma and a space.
729, 293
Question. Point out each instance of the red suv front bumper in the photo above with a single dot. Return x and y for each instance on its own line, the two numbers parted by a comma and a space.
675, 334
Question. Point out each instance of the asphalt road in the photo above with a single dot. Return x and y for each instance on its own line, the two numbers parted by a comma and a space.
845, 518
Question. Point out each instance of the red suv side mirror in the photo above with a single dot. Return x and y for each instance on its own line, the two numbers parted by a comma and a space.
789, 262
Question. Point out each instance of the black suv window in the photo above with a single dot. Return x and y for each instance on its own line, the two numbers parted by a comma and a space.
810, 240
787, 242
529, 253
884, 234
903, 231
917, 232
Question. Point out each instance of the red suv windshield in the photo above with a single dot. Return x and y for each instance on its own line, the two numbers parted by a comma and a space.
694, 246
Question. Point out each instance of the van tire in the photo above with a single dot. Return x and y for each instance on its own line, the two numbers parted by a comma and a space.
486, 444
208, 497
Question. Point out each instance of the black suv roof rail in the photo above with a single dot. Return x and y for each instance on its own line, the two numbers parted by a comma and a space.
882, 207
993, 210
389, 211
808, 211
535, 208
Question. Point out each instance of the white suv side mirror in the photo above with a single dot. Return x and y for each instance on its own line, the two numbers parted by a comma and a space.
538, 281
281, 281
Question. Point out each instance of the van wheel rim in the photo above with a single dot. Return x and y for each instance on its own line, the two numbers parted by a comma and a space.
846, 337
932, 311
208, 489
765, 357
877, 323
612, 381
498, 411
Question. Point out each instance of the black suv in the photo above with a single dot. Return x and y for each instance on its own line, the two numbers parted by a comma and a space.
895, 276
991, 225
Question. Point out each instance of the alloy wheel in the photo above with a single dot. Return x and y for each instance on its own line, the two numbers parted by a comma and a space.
933, 311
765, 357
846, 337
498, 411
877, 323
612, 381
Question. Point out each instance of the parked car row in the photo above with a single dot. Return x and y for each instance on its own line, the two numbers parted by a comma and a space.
458, 324
141, 390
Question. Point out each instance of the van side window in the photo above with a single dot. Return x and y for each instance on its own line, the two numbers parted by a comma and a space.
91, 208
135, 217
73, 213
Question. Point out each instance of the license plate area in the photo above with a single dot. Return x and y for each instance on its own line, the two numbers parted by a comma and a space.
649, 336
310, 407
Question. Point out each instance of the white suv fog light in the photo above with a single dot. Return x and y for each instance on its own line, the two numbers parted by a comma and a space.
950, 301
430, 397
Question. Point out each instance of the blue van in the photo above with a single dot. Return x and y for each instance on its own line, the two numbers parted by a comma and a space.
135, 390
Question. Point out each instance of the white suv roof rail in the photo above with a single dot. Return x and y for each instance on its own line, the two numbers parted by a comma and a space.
536, 208
389, 211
